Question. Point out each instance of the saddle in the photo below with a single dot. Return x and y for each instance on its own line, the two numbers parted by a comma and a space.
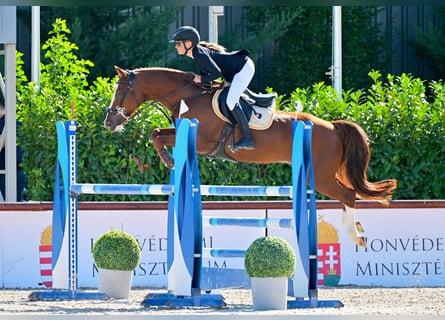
260, 105
248, 101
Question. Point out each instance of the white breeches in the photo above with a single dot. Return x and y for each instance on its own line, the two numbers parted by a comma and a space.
239, 84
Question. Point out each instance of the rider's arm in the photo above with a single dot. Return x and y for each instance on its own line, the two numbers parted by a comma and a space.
208, 69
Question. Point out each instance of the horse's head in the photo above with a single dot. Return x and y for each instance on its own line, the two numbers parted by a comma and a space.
125, 100
163, 85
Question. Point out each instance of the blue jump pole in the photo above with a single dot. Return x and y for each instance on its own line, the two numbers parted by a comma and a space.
246, 191
134, 189
168, 189
250, 222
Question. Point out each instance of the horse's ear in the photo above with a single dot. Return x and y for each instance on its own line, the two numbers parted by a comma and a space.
120, 72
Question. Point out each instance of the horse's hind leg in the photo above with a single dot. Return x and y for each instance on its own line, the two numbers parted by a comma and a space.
162, 137
354, 228
335, 190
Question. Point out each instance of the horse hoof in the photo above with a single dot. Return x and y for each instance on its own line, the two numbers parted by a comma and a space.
166, 158
170, 164
361, 242
359, 227
357, 237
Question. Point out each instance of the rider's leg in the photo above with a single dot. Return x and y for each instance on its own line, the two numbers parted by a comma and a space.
246, 142
239, 84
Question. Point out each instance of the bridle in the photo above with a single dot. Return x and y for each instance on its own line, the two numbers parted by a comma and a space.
120, 109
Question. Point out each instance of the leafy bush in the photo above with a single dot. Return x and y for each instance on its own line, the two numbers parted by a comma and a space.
269, 257
116, 250
103, 156
405, 123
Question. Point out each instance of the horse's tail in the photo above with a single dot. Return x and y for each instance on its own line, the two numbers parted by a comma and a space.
356, 156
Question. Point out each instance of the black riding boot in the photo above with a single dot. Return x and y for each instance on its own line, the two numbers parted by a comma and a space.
246, 141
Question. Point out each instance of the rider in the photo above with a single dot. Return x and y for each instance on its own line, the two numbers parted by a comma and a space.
213, 62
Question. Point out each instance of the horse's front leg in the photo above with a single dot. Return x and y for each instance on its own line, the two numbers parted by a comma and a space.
162, 137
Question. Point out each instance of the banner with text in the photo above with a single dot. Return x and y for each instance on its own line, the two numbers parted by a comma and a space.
405, 246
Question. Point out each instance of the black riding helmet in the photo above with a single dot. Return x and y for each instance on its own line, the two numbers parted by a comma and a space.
186, 33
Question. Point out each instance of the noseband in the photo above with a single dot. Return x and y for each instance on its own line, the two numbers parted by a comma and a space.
120, 109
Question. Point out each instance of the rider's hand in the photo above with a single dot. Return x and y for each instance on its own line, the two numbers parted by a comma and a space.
197, 78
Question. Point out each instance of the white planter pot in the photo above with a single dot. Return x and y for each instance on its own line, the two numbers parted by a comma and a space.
269, 293
115, 283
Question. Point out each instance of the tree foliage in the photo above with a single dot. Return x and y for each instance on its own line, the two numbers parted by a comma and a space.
130, 37
296, 45
430, 45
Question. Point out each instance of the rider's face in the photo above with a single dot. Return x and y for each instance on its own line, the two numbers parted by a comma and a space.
180, 46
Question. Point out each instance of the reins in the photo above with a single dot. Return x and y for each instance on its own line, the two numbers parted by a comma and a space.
175, 106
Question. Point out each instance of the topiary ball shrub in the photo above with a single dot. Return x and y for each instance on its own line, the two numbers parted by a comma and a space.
269, 257
116, 250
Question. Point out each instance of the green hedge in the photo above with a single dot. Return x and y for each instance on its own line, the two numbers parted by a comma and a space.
402, 115
404, 118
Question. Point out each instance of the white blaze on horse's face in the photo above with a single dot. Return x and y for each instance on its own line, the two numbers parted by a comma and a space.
113, 120
114, 95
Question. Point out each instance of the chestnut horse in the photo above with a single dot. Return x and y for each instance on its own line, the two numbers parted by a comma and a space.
340, 149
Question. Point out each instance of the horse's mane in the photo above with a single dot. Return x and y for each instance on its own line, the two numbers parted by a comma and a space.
165, 73
161, 69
